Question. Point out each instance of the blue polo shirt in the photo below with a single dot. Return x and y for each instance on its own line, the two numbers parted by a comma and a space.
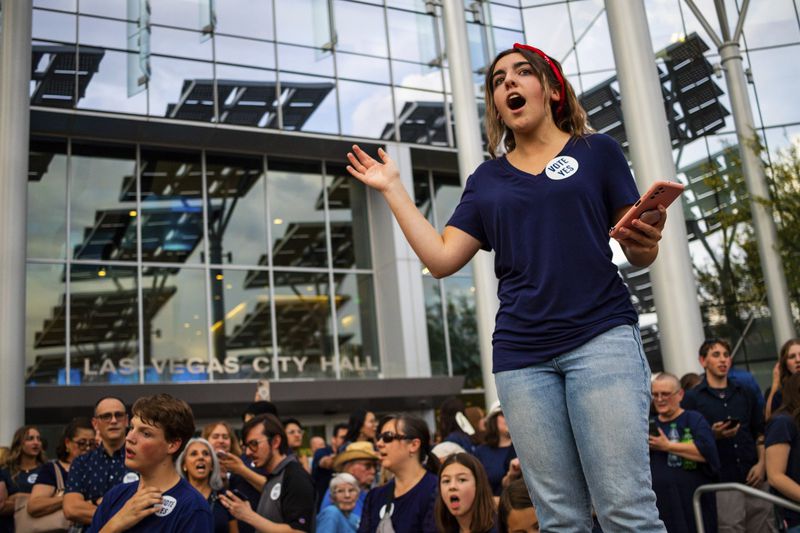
782, 429
557, 285
183, 509
95, 473
413, 512
738, 454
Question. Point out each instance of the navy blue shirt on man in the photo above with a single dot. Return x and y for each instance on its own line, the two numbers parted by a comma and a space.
95, 473
413, 512
183, 509
782, 429
675, 486
737, 455
557, 285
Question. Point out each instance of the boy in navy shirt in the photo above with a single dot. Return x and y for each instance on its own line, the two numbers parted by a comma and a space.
162, 501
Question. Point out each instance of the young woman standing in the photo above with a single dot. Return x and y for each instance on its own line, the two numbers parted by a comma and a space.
568, 361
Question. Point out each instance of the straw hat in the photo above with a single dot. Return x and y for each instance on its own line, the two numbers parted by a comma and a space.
355, 451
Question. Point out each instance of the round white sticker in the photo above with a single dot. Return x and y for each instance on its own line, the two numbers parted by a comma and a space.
561, 167
167, 505
32, 478
275, 493
130, 477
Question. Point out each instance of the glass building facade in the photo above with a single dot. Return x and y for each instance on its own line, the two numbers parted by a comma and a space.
190, 218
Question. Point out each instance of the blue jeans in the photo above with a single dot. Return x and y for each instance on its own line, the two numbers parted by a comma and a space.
579, 427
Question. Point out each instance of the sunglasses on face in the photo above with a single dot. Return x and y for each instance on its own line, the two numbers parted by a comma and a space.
107, 417
389, 436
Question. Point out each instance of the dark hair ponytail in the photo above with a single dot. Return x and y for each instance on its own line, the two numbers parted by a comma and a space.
416, 428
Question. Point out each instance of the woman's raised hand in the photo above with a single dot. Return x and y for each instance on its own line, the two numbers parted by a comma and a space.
377, 175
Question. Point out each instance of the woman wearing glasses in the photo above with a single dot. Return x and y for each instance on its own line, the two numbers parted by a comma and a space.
409, 499
47, 495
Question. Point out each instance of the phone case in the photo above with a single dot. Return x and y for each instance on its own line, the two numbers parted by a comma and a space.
661, 192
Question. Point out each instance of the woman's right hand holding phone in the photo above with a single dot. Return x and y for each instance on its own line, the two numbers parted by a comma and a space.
379, 176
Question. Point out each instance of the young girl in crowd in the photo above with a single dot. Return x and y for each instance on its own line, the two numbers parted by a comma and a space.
20, 471
339, 517
516, 513
465, 503
198, 464
788, 364
783, 450
408, 500
568, 360
76, 440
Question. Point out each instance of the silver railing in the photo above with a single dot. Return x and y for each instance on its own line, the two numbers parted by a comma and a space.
749, 491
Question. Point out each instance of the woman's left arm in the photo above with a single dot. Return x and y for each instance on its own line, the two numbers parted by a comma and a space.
640, 243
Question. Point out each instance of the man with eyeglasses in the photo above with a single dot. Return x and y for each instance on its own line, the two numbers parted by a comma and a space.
287, 501
683, 456
737, 421
94, 473
360, 460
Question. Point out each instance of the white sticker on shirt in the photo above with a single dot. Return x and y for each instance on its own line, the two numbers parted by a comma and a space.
275, 493
32, 478
383, 511
168, 503
130, 477
561, 167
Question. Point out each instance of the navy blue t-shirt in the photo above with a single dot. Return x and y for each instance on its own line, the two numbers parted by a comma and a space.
495, 461
47, 474
781, 429
184, 509
413, 512
462, 439
557, 285
22, 482
675, 486
221, 516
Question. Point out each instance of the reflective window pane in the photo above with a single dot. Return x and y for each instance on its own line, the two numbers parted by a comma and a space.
241, 324
411, 36
245, 18
349, 220
436, 333
181, 89
104, 323
506, 17
103, 33
104, 8
106, 86
180, 13
306, 60
477, 49
463, 330
303, 22
172, 206
355, 316
447, 195
47, 199
103, 221
594, 48
351, 20
45, 324
304, 330
366, 109
175, 325
774, 86
411, 5
237, 192
548, 28
308, 103
357, 67
53, 68
62, 5
247, 52
172, 42
52, 26
770, 23
298, 216
246, 96
417, 75
420, 116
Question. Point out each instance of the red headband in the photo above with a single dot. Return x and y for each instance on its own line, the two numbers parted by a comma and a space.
553, 67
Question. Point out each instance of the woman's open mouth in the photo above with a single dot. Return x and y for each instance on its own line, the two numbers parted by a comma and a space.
515, 101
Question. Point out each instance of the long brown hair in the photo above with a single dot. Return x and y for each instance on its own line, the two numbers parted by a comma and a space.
784, 356
14, 460
572, 118
482, 509
791, 399
208, 429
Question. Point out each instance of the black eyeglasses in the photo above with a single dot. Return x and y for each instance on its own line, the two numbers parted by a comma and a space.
254, 444
389, 436
106, 417
85, 443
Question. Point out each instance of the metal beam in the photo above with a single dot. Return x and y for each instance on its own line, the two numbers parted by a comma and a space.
674, 289
15, 64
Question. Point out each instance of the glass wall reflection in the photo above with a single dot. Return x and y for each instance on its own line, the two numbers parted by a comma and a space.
45, 325
357, 331
47, 193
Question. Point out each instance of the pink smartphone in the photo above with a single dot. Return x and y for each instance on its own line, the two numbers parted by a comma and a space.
661, 192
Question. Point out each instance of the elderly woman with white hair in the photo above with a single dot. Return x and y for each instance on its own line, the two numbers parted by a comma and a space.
339, 517
198, 464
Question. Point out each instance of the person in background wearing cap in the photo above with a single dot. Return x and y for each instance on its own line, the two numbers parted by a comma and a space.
567, 354
360, 460
340, 516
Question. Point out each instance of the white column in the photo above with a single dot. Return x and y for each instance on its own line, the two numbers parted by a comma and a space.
15, 66
470, 155
399, 294
674, 289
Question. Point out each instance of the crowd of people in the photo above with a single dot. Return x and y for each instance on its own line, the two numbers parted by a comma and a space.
149, 467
